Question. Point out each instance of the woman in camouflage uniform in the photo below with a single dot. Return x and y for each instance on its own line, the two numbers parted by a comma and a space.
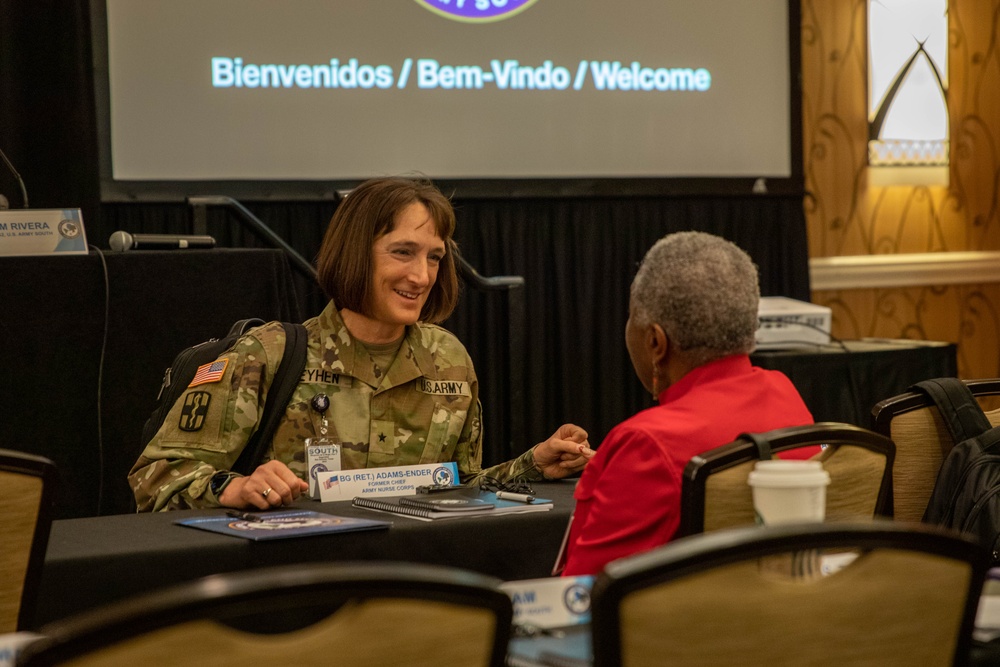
381, 378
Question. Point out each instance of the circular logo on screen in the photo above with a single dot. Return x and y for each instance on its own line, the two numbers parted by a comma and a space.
476, 11
69, 229
442, 476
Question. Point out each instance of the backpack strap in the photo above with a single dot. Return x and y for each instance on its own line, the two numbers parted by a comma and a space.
958, 407
240, 327
286, 378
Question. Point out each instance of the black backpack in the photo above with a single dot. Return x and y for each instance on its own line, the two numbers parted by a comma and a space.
178, 376
966, 495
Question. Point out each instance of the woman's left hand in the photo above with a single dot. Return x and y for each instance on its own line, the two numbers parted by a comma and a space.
564, 453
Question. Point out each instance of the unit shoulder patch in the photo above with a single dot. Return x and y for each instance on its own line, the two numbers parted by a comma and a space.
194, 411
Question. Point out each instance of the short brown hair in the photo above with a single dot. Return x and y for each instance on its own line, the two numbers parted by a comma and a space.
344, 262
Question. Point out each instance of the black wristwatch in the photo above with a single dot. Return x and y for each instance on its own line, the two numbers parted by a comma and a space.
220, 481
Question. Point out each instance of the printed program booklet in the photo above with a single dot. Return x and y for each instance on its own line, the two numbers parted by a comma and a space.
280, 524
451, 504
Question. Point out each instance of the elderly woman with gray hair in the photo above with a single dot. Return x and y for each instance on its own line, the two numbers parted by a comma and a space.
692, 323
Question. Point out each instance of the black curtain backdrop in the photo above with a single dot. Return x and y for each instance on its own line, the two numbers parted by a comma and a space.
578, 255
47, 117
87, 350
578, 258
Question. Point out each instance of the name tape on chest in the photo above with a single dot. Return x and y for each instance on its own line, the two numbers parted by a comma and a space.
443, 387
320, 376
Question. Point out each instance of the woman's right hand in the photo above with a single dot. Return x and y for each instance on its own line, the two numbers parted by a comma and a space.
566, 451
270, 486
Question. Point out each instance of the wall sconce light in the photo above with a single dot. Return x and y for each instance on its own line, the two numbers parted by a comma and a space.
908, 132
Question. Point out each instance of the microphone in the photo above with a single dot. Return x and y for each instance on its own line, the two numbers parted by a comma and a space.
124, 241
24, 193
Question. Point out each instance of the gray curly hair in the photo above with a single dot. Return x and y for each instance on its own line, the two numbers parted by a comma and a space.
703, 291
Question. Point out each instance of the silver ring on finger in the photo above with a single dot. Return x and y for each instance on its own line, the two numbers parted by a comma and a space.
266, 491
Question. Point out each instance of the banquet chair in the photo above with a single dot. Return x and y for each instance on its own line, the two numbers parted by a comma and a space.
922, 442
368, 614
908, 598
715, 493
27, 491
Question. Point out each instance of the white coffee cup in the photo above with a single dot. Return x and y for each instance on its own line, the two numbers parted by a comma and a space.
789, 491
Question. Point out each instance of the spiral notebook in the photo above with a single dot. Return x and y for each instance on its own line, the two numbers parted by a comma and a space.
451, 505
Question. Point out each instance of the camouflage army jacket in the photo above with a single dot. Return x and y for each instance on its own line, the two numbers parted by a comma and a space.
424, 408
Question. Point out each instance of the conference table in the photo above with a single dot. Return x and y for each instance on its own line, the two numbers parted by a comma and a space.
96, 560
842, 381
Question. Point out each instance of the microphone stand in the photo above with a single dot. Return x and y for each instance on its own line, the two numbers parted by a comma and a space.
20, 181
201, 203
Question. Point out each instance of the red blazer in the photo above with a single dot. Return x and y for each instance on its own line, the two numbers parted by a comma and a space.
629, 496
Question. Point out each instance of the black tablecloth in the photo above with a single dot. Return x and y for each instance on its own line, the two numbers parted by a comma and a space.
92, 561
842, 382
63, 360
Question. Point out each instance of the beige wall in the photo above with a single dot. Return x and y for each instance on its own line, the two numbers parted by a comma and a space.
846, 216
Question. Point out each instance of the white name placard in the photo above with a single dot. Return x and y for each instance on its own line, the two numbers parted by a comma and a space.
12, 644
390, 481
553, 602
36, 231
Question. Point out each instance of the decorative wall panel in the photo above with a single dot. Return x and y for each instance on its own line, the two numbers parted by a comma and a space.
847, 216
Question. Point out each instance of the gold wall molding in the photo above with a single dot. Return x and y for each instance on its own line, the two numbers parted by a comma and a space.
905, 270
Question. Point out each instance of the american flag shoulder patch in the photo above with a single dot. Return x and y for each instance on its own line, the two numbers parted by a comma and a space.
207, 373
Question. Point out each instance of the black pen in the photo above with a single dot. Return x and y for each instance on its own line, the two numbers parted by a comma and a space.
246, 516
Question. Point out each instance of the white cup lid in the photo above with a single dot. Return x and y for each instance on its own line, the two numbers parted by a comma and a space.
788, 474
787, 466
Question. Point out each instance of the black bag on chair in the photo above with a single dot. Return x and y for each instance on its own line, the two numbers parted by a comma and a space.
286, 377
966, 495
